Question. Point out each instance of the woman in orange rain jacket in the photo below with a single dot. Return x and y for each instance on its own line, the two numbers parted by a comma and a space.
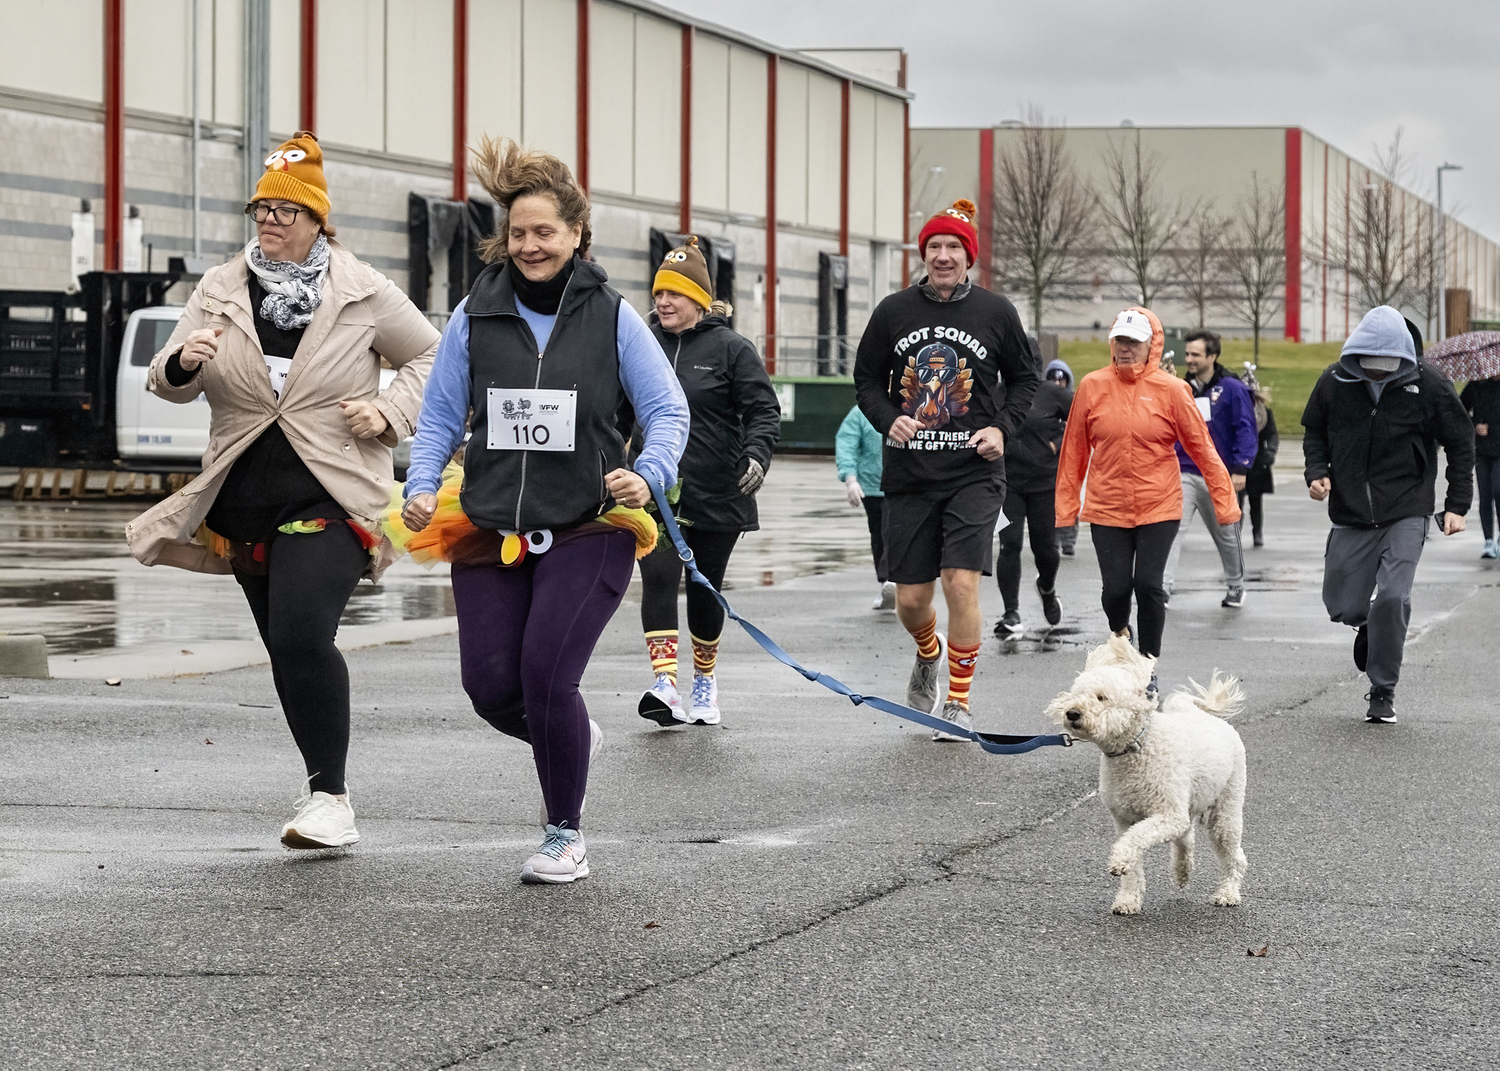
1121, 430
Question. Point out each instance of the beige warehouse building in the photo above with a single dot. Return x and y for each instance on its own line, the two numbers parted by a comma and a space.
1326, 190
792, 165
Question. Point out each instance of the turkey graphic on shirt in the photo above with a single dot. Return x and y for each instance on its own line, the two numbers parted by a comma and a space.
935, 386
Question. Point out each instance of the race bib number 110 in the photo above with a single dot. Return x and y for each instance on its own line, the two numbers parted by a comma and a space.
531, 419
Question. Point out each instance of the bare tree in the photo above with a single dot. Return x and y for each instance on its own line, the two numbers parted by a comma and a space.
1199, 259
1139, 223
1255, 252
1043, 214
1377, 245
1422, 292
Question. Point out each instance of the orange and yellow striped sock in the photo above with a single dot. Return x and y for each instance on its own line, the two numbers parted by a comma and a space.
962, 658
662, 647
928, 647
705, 655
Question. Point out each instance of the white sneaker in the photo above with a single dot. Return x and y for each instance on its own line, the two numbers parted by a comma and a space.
704, 706
323, 821
560, 860
661, 702
1491, 548
958, 714
886, 599
922, 691
596, 745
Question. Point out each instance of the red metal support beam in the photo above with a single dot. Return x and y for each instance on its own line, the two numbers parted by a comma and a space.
114, 131
460, 98
581, 173
844, 89
772, 61
307, 99
685, 195
1293, 306
985, 224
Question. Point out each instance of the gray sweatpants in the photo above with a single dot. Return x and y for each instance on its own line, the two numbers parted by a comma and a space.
1197, 499
1382, 561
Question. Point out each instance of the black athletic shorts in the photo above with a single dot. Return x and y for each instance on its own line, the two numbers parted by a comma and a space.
929, 532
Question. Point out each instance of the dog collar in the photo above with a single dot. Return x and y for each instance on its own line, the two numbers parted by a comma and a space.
1134, 745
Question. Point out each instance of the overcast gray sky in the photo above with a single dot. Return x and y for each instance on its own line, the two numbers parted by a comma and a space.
1350, 72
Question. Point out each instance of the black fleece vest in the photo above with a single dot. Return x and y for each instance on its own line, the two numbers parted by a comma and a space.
529, 489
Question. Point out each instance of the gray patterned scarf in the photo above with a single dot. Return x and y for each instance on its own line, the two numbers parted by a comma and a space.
293, 291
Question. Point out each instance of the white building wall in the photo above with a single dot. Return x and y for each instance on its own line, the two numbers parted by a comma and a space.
747, 131
351, 73
494, 64
549, 119
824, 135
657, 147
419, 79
55, 49
710, 123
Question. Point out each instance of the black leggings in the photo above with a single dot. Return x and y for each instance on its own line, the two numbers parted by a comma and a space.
1487, 473
1257, 514
661, 572
1133, 560
297, 606
1036, 510
875, 518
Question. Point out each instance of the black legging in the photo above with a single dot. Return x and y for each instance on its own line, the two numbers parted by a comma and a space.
297, 606
661, 572
875, 518
1132, 560
1257, 515
1036, 510
1487, 474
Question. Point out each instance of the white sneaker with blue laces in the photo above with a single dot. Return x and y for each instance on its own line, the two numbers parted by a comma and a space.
703, 706
560, 860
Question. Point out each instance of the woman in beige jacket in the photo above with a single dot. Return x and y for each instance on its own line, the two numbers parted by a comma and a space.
285, 341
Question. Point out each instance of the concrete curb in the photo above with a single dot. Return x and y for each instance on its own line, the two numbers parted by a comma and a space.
23, 656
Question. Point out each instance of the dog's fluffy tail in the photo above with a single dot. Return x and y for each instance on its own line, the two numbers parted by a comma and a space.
1223, 698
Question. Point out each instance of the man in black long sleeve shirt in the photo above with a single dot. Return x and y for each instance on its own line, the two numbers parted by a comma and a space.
944, 372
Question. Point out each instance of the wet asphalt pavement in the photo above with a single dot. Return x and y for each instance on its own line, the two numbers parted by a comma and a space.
810, 885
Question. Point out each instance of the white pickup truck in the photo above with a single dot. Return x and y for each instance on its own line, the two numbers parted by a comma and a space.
148, 428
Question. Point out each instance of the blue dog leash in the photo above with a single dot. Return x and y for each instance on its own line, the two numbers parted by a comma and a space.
994, 743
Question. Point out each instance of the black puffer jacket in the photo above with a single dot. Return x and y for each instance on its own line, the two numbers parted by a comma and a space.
1482, 399
734, 417
1381, 456
1031, 459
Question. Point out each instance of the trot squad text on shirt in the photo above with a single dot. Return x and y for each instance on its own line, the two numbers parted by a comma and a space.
937, 386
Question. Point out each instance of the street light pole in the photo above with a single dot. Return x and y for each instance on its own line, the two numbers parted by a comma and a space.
1442, 260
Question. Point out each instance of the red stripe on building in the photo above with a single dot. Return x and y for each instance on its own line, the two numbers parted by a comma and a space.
1294, 233
581, 172
985, 222
460, 98
307, 96
770, 289
685, 193
114, 131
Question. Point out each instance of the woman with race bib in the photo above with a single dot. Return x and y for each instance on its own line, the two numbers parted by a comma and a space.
544, 524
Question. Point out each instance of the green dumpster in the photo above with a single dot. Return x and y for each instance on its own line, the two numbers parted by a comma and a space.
812, 408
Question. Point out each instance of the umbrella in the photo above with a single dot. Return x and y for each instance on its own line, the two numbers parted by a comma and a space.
1475, 355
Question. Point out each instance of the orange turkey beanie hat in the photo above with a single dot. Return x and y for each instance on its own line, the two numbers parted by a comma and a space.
294, 172
957, 221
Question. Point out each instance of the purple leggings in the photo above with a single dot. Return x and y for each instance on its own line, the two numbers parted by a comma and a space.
524, 638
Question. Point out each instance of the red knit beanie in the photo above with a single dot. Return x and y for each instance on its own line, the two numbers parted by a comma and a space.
957, 221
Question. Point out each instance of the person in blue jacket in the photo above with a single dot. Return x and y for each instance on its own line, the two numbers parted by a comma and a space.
1229, 409
857, 455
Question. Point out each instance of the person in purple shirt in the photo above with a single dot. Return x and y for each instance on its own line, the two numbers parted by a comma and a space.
1229, 410
534, 365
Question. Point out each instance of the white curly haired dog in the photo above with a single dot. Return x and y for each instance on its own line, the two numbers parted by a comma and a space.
1162, 769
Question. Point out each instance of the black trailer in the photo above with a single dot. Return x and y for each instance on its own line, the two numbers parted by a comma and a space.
59, 354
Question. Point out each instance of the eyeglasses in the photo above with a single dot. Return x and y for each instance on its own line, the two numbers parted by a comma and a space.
284, 215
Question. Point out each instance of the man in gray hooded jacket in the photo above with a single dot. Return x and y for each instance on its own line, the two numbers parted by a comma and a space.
1374, 422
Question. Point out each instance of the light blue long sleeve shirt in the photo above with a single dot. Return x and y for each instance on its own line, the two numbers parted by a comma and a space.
660, 406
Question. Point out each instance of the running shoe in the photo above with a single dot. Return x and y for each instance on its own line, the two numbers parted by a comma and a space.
958, 714
1009, 626
1051, 608
560, 860
1234, 598
1491, 549
323, 821
661, 703
596, 745
886, 599
922, 686
1362, 648
703, 707
1382, 706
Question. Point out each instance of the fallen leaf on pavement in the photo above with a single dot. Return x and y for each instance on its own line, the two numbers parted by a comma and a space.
206, 740
1263, 950
113, 682
653, 926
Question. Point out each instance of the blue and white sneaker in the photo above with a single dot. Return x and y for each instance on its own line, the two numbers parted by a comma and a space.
703, 706
661, 703
1491, 549
560, 860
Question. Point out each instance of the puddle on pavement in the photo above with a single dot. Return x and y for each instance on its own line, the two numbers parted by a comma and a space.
66, 573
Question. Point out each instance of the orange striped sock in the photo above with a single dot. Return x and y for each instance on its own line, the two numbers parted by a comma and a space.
705, 655
962, 658
928, 647
662, 647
